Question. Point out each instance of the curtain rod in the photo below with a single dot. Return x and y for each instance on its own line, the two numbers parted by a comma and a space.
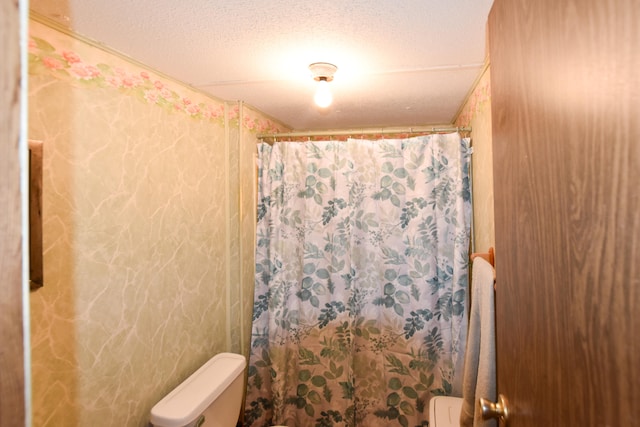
356, 132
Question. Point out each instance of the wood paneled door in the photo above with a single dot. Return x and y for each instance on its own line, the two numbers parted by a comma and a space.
565, 78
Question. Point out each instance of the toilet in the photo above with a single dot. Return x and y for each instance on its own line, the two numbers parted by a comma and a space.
210, 397
444, 411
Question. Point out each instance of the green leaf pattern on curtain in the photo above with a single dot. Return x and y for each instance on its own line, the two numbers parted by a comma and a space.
361, 281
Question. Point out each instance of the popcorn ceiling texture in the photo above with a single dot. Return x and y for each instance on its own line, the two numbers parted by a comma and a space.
399, 64
142, 233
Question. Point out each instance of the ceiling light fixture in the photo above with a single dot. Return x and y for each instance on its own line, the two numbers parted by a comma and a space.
323, 73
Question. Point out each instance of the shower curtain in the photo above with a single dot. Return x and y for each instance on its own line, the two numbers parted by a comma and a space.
361, 281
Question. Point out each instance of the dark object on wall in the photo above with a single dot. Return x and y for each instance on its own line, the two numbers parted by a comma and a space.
35, 215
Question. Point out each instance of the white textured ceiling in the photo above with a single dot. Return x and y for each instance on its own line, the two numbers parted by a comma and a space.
400, 63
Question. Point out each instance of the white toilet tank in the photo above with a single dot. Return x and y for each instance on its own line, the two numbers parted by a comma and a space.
210, 397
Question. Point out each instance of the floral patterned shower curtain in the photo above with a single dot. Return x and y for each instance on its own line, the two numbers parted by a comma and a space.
361, 281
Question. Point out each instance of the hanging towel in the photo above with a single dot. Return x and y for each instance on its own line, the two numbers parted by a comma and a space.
479, 378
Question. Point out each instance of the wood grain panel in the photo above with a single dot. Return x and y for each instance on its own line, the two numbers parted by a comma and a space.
12, 408
565, 107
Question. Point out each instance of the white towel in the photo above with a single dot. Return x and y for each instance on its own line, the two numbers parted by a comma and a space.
479, 378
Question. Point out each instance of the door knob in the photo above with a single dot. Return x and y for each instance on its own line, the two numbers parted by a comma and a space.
499, 410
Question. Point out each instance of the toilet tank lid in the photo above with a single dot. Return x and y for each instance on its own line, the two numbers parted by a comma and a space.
187, 401
444, 411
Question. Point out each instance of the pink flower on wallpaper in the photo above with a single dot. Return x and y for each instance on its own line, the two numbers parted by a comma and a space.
145, 75
92, 71
166, 93
263, 126
249, 123
83, 71
234, 113
128, 82
32, 44
158, 84
219, 112
52, 63
113, 81
186, 101
151, 96
70, 57
193, 109
211, 113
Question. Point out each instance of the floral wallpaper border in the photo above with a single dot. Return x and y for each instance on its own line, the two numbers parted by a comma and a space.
68, 64
480, 95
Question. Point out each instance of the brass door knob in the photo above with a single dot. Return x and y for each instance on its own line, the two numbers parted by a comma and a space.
499, 410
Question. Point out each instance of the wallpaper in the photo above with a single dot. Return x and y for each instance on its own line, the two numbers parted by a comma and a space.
142, 231
82, 64
477, 114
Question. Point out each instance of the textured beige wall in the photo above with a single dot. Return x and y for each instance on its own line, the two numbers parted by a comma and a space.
141, 233
477, 114
233, 177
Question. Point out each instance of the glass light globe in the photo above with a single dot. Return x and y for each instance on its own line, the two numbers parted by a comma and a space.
323, 97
